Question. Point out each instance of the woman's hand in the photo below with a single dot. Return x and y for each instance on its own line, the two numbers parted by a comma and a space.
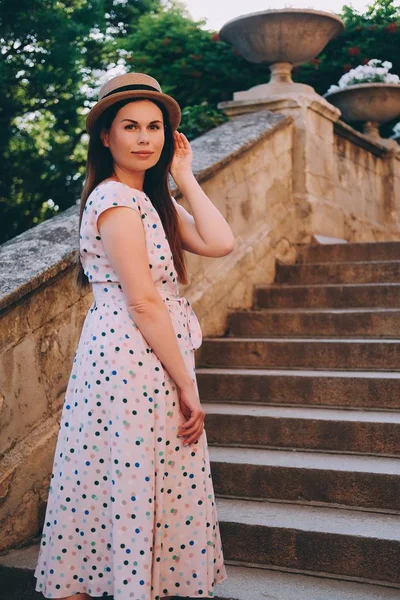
192, 411
182, 159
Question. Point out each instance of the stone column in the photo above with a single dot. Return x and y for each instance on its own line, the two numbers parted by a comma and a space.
313, 151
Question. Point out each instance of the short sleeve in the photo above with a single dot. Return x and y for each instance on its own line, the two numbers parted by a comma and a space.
116, 194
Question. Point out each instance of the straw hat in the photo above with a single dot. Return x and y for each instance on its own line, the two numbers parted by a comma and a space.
131, 85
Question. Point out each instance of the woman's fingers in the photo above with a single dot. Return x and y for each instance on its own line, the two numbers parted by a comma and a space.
194, 437
197, 414
184, 427
181, 140
192, 429
188, 431
194, 432
178, 139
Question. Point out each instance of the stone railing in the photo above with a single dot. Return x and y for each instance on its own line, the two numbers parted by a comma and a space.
279, 177
345, 184
367, 185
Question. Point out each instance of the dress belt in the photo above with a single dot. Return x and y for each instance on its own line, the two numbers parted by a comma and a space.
111, 292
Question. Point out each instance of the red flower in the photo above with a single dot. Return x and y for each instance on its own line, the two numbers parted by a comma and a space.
196, 56
353, 51
196, 74
365, 61
215, 36
166, 41
347, 67
316, 62
391, 27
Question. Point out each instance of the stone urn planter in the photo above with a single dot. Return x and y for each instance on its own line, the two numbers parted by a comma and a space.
373, 103
281, 39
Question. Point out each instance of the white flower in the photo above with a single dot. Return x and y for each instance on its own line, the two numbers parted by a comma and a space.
333, 88
392, 78
374, 71
396, 128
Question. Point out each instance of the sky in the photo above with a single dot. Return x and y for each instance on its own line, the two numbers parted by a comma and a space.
219, 12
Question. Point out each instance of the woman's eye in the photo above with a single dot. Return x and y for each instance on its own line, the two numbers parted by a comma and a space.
133, 125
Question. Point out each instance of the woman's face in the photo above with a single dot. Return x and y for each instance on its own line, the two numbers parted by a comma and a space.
137, 127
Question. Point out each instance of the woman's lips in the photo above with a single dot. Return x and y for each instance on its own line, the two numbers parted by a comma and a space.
143, 154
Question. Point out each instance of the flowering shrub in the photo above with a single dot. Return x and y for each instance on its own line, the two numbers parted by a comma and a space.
373, 71
373, 33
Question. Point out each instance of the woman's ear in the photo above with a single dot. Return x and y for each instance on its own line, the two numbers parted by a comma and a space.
104, 138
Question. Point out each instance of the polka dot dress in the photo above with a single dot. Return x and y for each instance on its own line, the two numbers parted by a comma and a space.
131, 511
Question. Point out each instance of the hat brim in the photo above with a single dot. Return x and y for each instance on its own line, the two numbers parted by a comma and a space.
170, 104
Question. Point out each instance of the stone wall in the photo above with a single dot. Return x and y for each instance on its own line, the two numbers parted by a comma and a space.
365, 184
279, 177
253, 191
345, 184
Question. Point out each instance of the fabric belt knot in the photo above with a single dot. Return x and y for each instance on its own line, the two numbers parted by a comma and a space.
193, 326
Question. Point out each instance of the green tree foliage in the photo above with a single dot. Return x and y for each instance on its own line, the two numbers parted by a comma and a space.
191, 63
199, 118
51, 50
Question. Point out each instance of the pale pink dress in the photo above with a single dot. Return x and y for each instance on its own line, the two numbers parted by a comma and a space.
131, 510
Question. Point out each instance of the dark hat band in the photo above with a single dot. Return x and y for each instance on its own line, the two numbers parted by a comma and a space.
133, 86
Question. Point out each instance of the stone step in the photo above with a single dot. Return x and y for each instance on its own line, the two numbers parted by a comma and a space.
345, 272
344, 542
375, 322
351, 251
242, 583
300, 353
349, 480
322, 429
252, 583
290, 387
373, 295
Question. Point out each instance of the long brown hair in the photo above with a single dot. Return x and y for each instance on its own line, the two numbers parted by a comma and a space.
100, 166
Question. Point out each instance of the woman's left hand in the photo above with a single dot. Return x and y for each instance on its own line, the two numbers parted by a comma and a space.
182, 159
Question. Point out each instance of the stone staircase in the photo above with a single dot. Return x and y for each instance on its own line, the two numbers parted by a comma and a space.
303, 421
302, 398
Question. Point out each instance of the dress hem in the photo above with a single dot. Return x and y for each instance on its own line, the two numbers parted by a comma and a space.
68, 593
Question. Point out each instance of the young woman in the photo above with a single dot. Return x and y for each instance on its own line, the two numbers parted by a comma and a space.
131, 510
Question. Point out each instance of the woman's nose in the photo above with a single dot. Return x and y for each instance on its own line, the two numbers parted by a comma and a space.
142, 136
